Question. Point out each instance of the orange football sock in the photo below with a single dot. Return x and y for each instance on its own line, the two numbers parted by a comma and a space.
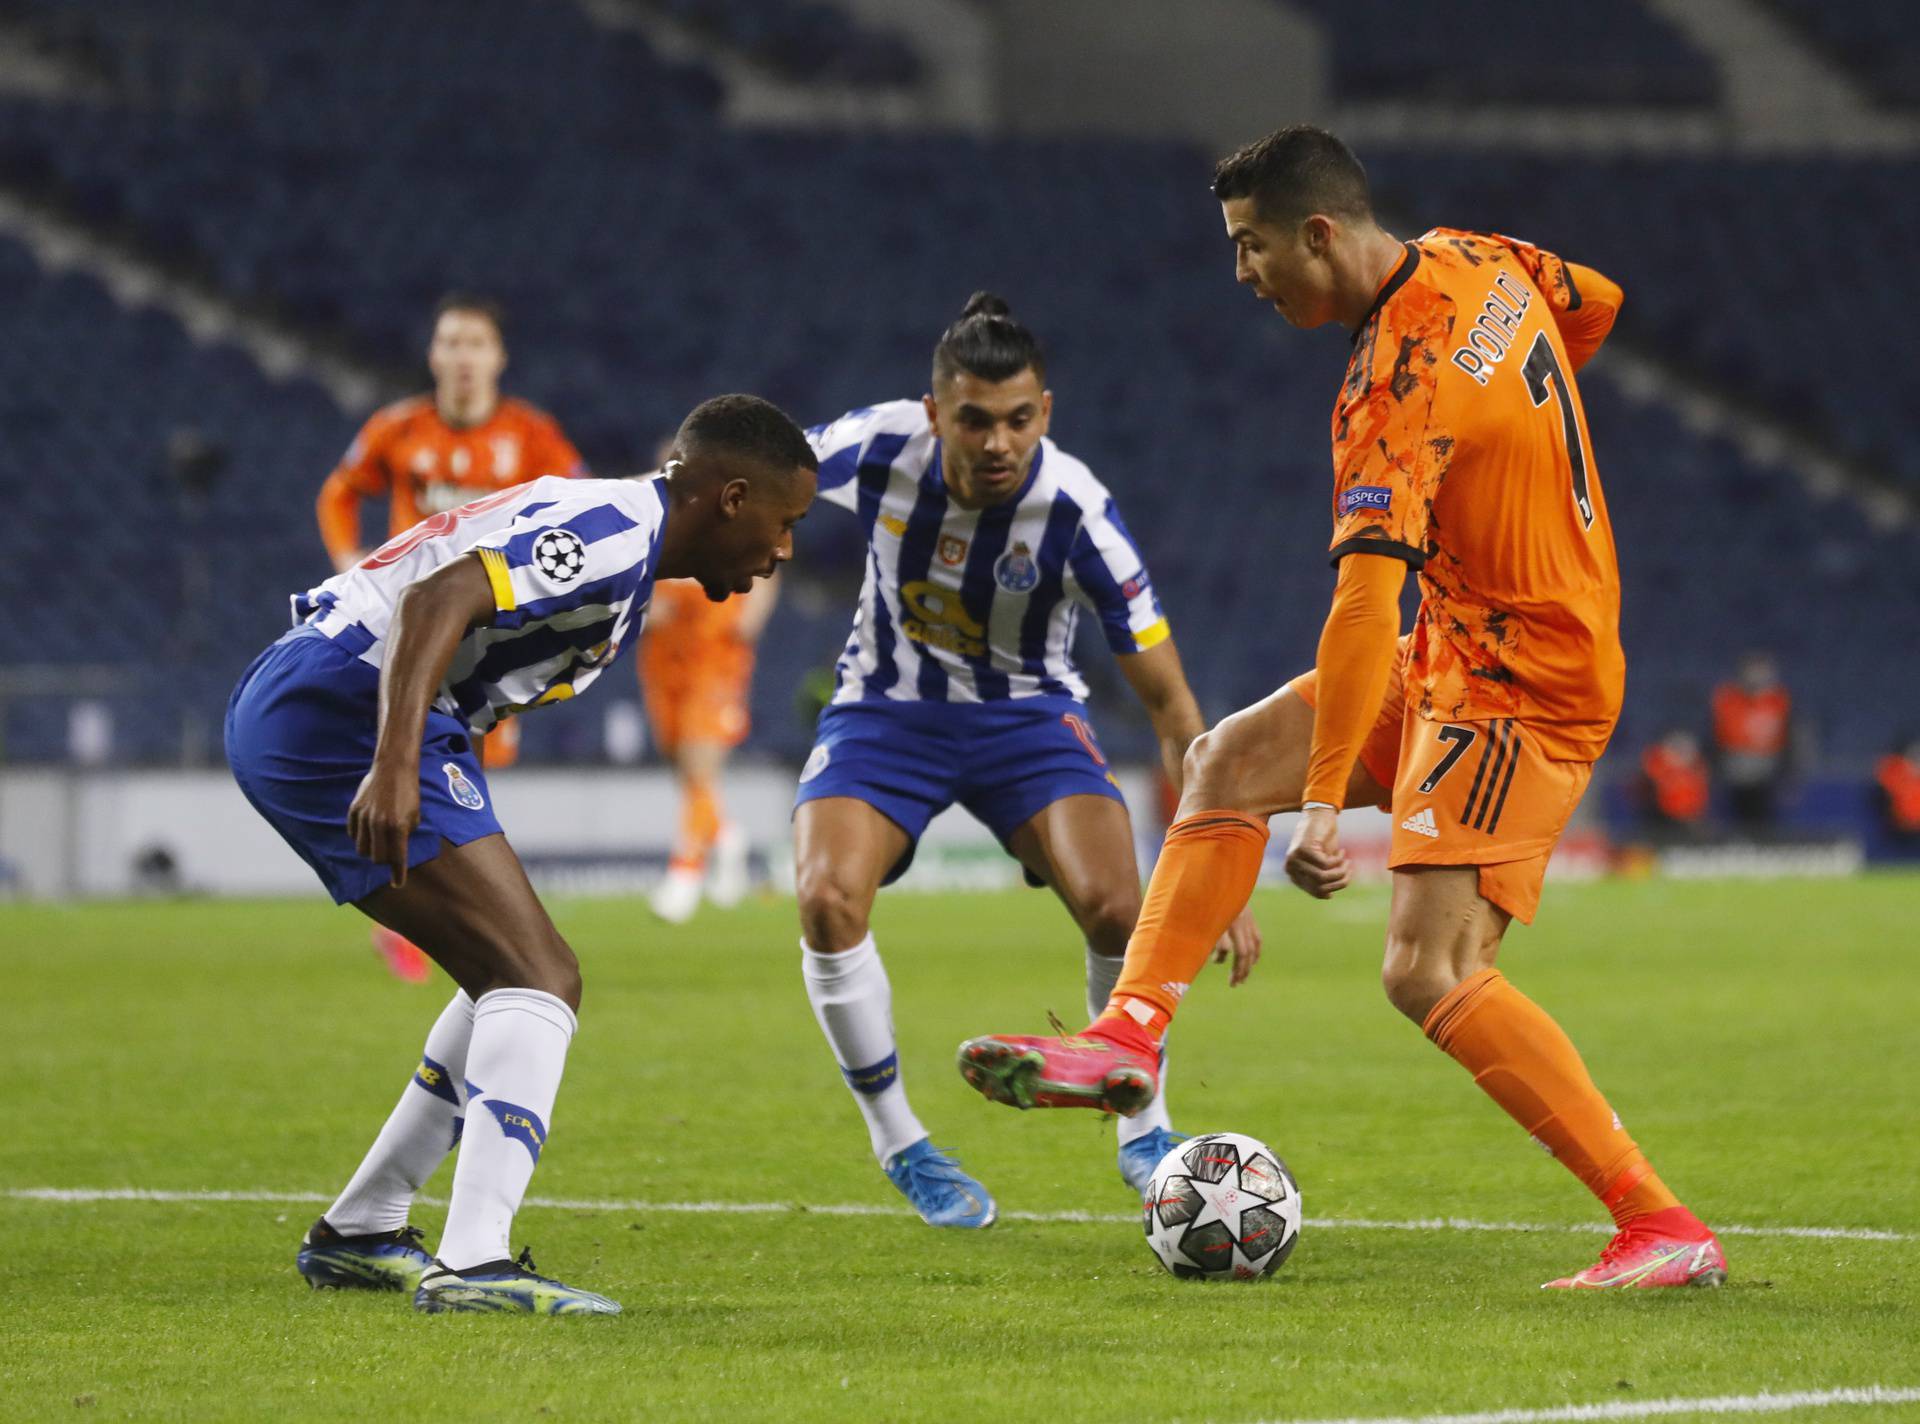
1525, 1062
699, 823
1206, 871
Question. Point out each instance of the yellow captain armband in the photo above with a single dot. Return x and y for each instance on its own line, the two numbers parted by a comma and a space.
1152, 636
495, 563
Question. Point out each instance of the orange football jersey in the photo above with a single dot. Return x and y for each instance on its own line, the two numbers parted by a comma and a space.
1460, 441
423, 466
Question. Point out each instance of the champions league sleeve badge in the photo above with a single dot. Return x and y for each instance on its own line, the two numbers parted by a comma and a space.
1015, 570
463, 790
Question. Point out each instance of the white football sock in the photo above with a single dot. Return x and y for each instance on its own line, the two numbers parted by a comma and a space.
854, 1003
420, 1131
519, 1051
1103, 972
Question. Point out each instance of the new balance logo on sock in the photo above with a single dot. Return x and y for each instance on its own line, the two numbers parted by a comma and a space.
1421, 823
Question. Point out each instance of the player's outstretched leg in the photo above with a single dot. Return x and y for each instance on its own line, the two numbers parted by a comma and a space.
1441, 943
843, 847
363, 1239
472, 908
1250, 766
1080, 845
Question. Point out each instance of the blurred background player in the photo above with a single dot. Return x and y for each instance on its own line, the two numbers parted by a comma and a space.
958, 685
1896, 784
427, 454
353, 736
696, 673
1461, 452
1675, 786
1752, 736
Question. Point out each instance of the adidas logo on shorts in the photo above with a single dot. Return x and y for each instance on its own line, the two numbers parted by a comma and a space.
1421, 823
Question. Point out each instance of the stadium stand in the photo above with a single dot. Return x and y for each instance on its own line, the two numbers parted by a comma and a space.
800, 40
650, 257
1607, 53
1878, 40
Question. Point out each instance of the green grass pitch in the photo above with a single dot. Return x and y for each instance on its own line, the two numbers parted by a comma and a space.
1760, 1040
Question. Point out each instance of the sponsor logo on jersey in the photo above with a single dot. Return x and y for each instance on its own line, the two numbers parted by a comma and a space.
953, 550
1015, 570
1379, 497
462, 790
817, 761
1421, 823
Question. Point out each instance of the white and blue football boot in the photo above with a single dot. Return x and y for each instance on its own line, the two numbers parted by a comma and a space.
386, 1260
1139, 1157
504, 1288
942, 1193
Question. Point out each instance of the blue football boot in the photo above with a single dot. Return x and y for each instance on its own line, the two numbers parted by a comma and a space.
1139, 1157
505, 1288
386, 1260
942, 1193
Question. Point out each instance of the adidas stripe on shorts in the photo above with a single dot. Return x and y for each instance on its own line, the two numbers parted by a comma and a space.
1474, 791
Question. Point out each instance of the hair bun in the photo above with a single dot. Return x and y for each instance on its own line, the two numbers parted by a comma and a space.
985, 304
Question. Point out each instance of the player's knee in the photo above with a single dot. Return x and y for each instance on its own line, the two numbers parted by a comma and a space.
1206, 770
1415, 982
1107, 920
833, 913
551, 967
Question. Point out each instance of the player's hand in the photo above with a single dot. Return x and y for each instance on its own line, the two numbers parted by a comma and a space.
1315, 861
1241, 944
384, 813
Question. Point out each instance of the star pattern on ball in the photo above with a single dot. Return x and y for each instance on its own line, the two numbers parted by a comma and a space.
1226, 1200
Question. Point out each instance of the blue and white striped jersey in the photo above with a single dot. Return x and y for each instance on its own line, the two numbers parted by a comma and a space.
964, 605
572, 567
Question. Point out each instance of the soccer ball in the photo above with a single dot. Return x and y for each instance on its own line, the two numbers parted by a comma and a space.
560, 555
1222, 1208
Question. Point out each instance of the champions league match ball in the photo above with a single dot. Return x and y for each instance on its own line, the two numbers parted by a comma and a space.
1222, 1208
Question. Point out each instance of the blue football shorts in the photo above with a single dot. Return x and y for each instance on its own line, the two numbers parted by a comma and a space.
300, 734
1002, 761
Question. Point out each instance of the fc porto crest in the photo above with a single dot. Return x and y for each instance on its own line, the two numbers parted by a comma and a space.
463, 790
1015, 570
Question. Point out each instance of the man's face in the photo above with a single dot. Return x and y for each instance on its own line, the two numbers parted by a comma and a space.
466, 355
1287, 267
988, 431
752, 533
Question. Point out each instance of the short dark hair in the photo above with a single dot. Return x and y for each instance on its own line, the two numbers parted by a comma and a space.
477, 305
987, 342
1293, 173
750, 426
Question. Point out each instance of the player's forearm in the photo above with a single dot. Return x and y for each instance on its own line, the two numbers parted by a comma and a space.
1177, 726
338, 511
1355, 661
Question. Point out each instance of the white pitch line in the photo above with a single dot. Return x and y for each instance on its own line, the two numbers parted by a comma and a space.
1873, 1394
81, 1195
